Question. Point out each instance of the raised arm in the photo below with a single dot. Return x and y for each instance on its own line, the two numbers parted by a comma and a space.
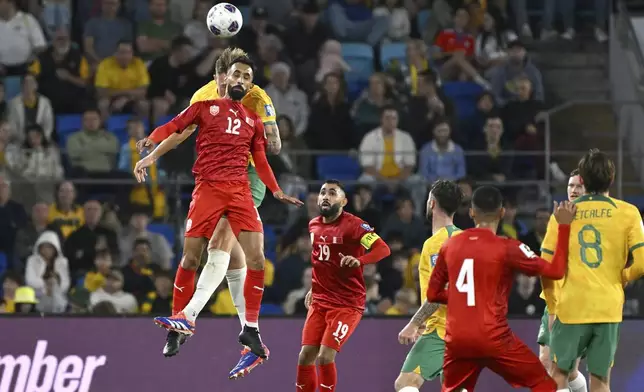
522, 258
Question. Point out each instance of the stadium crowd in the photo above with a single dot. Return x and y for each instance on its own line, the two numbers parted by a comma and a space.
446, 89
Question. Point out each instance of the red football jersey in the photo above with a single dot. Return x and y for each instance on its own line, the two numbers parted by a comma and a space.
336, 286
450, 41
228, 131
479, 268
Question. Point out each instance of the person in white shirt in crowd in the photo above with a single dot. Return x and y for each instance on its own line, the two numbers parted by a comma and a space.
29, 108
287, 98
46, 260
22, 39
161, 252
196, 29
491, 43
112, 292
399, 21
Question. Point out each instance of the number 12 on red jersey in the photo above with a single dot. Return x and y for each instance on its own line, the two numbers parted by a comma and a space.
465, 281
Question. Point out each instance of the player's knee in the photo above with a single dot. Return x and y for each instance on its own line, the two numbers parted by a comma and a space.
574, 373
190, 261
237, 258
325, 357
307, 355
545, 360
408, 380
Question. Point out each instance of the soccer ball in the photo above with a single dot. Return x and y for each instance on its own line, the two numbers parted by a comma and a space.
224, 20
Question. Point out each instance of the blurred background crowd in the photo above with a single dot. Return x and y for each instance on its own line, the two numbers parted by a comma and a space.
387, 95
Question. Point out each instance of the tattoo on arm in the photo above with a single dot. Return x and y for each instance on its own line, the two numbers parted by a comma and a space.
424, 312
273, 141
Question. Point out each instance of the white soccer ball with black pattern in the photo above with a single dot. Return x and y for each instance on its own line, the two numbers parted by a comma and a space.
224, 20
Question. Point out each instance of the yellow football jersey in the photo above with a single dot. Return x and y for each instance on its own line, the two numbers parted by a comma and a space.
425, 267
604, 232
256, 100
547, 254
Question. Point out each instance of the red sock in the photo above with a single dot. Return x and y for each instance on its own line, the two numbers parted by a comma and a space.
253, 292
328, 377
184, 287
307, 378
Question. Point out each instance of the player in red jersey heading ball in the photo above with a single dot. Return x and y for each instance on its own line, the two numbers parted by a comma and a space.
337, 298
228, 131
480, 267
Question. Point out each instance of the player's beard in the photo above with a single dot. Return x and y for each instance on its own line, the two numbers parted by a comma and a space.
330, 211
236, 93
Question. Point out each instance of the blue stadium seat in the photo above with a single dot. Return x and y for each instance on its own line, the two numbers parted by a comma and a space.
117, 124
66, 125
163, 120
464, 95
271, 310
360, 59
393, 51
12, 87
4, 263
338, 167
165, 230
270, 243
422, 19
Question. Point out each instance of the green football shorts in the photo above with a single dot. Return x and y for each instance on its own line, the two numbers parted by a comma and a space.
543, 338
426, 357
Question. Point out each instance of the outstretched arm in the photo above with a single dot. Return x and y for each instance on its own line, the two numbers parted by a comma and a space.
172, 142
273, 141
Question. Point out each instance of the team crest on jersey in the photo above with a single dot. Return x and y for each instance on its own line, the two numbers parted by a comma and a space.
366, 227
270, 111
214, 110
433, 260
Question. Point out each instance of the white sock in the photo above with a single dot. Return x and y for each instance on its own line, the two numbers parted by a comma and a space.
409, 389
578, 384
236, 280
211, 277
563, 390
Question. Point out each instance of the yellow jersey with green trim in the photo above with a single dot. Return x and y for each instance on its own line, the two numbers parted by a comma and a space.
255, 99
603, 234
547, 254
426, 265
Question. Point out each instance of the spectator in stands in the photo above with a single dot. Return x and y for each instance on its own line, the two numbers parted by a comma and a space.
503, 78
352, 20
168, 80
404, 303
196, 30
490, 163
392, 269
330, 123
363, 206
10, 283
442, 158
270, 51
462, 218
12, 217
53, 298
3, 103
473, 135
427, 108
299, 224
22, 39
30, 108
287, 98
28, 234
330, 61
155, 35
47, 258
161, 251
83, 244
112, 292
159, 300
25, 300
454, 51
92, 150
279, 11
64, 213
78, 299
524, 298
491, 44
510, 226
295, 164
138, 274
103, 34
63, 74
412, 228
399, 20
290, 270
417, 65
252, 32
223, 304
304, 40
95, 277
122, 81
294, 303
534, 238
140, 194
5, 144
367, 110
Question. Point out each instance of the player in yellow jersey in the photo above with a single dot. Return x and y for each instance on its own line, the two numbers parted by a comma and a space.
576, 379
427, 327
258, 101
588, 308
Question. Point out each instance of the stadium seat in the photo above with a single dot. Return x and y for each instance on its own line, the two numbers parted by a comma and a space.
360, 59
271, 310
66, 125
464, 95
163, 120
339, 167
12, 87
270, 243
393, 51
117, 124
4, 263
165, 230
245, 11
422, 19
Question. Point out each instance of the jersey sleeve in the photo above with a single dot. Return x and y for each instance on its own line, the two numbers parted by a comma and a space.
635, 238
364, 233
436, 289
188, 116
520, 257
550, 240
263, 106
425, 266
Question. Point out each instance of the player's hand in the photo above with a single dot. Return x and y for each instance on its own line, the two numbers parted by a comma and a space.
286, 199
410, 333
308, 299
564, 212
145, 145
140, 171
349, 261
